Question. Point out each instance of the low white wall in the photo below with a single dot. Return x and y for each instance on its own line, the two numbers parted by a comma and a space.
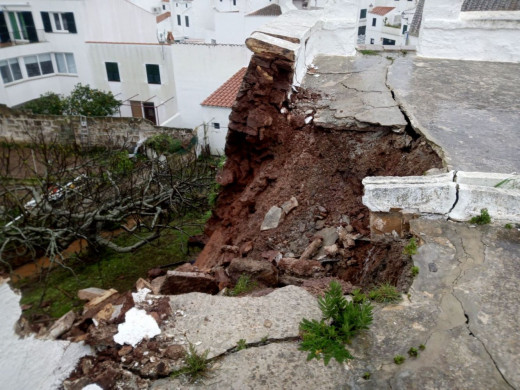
209, 135
446, 32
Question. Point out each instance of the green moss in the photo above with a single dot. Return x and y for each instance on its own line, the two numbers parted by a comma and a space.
369, 52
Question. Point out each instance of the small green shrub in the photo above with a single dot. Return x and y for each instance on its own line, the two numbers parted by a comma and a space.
367, 375
244, 284
413, 352
164, 143
196, 365
422, 347
508, 226
358, 297
482, 219
341, 321
385, 293
242, 344
399, 359
411, 248
415, 271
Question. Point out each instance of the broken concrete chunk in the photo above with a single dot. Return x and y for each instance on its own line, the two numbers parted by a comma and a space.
290, 205
141, 283
62, 325
90, 293
272, 218
99, 299
331, 250
105, 314
157, 284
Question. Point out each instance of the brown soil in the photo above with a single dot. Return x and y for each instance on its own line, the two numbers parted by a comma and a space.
322, 168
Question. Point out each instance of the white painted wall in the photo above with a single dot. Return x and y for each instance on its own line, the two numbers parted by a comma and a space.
209, 135
380, 31
446, 32
199, 70
235, 28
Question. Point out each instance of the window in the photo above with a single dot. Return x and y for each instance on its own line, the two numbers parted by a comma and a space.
59, 22
234, 2
388, 42
371, 41
363, 14
65, 63
22, 26
362, 30
38, 65
179, 20
187, 20
10, 70
112, 71
405, 28
164, 7
374, 21
152, 73
216, 125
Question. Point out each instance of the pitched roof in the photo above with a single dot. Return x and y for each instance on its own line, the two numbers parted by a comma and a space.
491, 5
226, 94
381, 10
415, 26
162, 17
270, 10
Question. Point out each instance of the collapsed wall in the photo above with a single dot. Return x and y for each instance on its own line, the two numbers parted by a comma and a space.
290, 208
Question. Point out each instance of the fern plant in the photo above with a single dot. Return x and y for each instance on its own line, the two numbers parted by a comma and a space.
341, 321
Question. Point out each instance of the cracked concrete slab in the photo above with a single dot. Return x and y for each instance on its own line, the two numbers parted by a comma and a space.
470, 109
217, 323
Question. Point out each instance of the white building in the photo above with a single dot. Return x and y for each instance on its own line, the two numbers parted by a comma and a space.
216, 109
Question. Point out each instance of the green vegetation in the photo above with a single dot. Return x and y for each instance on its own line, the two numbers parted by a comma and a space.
164, 143
196, 366
482, 219
83, 100
242, 344
367, 375
411, 248
399, 359
508, 226
369, 52
413, 352
244, 284
415, 271
385, 293
358, 297
422, 347
56, 291
341, 321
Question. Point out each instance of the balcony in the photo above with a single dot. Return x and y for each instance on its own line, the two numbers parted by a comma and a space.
26, 36
391, 29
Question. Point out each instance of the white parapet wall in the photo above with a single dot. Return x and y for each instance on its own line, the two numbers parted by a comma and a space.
447, 32
455, 195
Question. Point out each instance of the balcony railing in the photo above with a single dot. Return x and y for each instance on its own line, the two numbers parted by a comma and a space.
21, 37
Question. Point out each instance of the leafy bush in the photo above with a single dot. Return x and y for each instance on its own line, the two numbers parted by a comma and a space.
164, 143
341, 321
482, 219
87, 101
385, 293
49, 103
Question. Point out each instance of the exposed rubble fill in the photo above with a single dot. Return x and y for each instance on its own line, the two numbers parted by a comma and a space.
291, 186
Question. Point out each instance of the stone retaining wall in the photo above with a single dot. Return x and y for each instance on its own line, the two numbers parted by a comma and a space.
22, 127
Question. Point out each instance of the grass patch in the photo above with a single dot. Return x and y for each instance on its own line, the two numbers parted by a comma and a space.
422, 347
242, 344
114, 270
415, 271
369, 52
410, 248
482, 219
367, 375
508, 226
385, 293
244, 285
413, 352
399, 359
341, 321
196, 365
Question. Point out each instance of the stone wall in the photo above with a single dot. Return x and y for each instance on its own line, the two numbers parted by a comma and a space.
18, 126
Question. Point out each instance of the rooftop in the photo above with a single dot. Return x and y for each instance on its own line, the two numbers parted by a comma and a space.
491, 5
225, 95
164, 16
270, 10
381, 10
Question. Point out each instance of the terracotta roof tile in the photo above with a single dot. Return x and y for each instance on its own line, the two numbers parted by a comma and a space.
226, 94
164, 16
381, 10
270, 10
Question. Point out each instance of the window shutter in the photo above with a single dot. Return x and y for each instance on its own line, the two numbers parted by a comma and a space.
46, 22
69, 17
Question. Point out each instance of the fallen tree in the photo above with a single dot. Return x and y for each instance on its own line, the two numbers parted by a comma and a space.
52, 195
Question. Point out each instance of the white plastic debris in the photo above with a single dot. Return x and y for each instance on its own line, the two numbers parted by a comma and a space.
140, 296
308, 120
92, 386
138, 325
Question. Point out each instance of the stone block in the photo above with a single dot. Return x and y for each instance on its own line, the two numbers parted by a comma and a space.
272, 218
90, 293
259, 270
176, 282
488, 179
